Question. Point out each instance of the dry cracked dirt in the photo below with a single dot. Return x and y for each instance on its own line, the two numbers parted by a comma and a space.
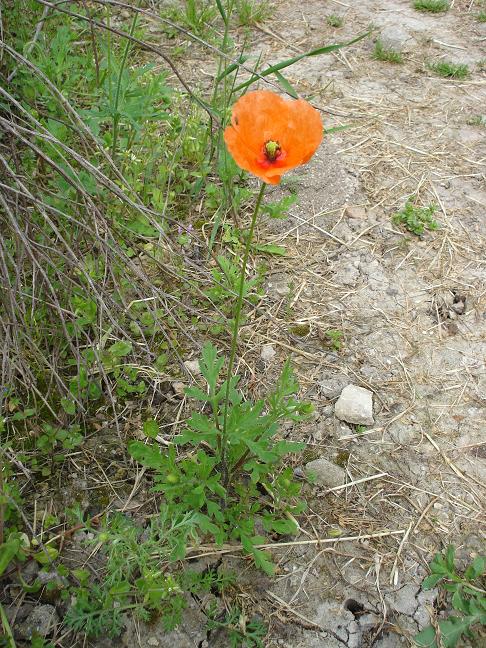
412, 314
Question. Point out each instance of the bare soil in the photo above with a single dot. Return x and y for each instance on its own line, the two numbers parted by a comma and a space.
412, 312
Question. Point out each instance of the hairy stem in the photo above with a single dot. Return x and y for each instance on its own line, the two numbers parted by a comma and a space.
234, 341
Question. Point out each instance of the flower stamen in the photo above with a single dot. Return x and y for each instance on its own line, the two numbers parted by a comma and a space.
272, 150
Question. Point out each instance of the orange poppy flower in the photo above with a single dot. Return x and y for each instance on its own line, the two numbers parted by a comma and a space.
269, 135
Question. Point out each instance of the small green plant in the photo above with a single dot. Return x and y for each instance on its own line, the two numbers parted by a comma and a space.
432, 6
197, 15
226, 280
476, 120
481, 16
280, 208
468, 599
242, 632
335, 21
334, 339
382, 53
136, 575
450, 70
230, 456
416, 219
252, 12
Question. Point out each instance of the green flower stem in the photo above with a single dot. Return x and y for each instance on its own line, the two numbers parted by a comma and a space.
236, 327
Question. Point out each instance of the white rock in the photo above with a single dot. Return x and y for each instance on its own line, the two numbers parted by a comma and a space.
268, 353
193, 367
355, 405
326, 473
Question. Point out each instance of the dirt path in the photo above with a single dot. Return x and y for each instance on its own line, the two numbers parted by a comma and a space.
412, 312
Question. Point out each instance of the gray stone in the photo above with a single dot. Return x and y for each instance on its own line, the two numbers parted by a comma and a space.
41, 620
425, 600
333, 617
355, 405
404, 600
396, 39
268, 353
390, 640
326, 473
369, 621
332, 385
278, 286
348, 275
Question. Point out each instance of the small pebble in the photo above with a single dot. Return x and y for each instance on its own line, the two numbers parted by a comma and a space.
268, 353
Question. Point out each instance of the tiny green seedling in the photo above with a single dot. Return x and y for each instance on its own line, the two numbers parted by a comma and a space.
416, 219
382, 53
334, 337
477, 120
335, 21
468, 599
450, 70
481, 16
432, 6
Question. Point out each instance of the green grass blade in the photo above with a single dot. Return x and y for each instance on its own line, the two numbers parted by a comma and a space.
231, 68
336, 129
289, 89
222, 11
284, 64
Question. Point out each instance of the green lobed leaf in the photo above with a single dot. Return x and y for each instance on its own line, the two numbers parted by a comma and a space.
431, 581
426, 638
270, 248
211, 365
476, 568
150, 428
120, 349
148, 455
8, 551
68, 406
453, 628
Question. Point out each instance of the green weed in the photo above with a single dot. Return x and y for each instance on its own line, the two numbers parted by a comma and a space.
432, 6
335, 21
137, 577
481, 16
468, 600
196, 16
450, 70
416, 219
253, 12
242, 632
333, 338
380, 53
219, 482
477, 120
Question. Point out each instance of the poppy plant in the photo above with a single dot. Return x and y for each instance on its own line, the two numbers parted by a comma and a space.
269, 135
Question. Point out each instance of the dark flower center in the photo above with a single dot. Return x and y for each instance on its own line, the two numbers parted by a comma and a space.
272, 150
